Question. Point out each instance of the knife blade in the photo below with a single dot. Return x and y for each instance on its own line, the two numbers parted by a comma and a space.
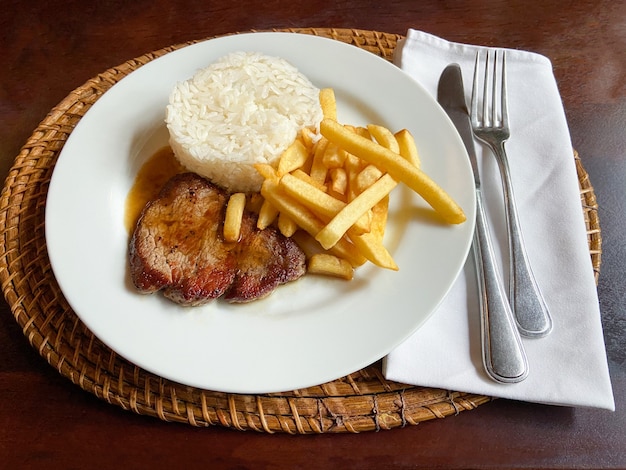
504, 358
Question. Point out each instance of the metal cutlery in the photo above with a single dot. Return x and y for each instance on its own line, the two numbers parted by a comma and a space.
490, 123
503, 354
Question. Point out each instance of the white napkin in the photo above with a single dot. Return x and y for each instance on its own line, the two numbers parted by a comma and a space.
568, 367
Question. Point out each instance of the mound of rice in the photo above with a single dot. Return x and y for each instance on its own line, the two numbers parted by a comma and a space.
243, 109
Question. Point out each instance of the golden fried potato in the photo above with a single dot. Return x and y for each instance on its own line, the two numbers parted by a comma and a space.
397, 167
335, 186
306, 193
307, 221
367, 177
384, 137
338, 181
374, 250
301, 175
323, 205
307, 243
254, 202
267, 215
308, 136
364, 132
318, 169
328, 103
266, 170
333, 156
407, 147
351, 213
329, 265
353, 166
378, 223
371, 244
234, 214
286, 226
293, 158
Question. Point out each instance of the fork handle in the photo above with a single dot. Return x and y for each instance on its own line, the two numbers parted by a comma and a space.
528, 305
503, 354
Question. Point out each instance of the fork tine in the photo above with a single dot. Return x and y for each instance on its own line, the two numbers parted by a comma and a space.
494, 86
494, 109
486, 121
505, 110
474, 103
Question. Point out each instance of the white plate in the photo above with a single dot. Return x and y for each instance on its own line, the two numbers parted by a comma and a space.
306, 333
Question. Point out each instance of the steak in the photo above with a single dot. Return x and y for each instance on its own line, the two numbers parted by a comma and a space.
178, 248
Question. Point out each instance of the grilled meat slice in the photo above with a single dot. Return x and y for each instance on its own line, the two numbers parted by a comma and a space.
265, 259
177, 247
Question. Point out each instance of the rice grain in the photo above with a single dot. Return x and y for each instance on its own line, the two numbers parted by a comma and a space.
243, 109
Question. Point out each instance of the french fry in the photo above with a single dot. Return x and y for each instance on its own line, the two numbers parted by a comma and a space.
353, 164
367, 177
407, 147
338, 180
308, 136
333, 156
374, 250
300, 214
384, 137
329, 265
364, 224
323, 205
328, 103
308, 164
371, 244
335, 186
307, 221
364, 132
293, 158
311, 196
267, 215
301, 175
234, 214
307, 243
286, 226
397, 167
254, 203
266, 170
353, 168
379, 219
347, 217
318, 169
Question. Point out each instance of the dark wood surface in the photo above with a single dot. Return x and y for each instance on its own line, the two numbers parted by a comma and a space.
50, 47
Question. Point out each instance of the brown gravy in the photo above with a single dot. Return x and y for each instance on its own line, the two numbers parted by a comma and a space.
153, 174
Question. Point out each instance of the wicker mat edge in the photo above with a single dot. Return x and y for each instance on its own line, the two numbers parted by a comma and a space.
362, 401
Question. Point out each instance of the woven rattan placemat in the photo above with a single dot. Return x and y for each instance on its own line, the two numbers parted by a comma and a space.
361, 401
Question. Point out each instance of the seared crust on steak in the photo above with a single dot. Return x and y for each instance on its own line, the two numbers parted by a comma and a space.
265, 259
178, 247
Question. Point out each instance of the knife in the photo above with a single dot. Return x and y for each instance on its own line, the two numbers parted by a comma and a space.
503, 354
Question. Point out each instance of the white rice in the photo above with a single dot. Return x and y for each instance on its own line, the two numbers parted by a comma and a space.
245, 108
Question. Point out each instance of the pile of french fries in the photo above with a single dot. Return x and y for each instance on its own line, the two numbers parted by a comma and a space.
331, 192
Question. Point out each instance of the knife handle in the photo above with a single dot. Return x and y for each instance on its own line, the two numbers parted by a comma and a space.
503, 353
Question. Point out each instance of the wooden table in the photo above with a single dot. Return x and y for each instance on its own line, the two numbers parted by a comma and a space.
51, 47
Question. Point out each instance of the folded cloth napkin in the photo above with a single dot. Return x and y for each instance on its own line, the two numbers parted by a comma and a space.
568, 367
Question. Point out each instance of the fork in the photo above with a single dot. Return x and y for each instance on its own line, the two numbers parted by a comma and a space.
491, 125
